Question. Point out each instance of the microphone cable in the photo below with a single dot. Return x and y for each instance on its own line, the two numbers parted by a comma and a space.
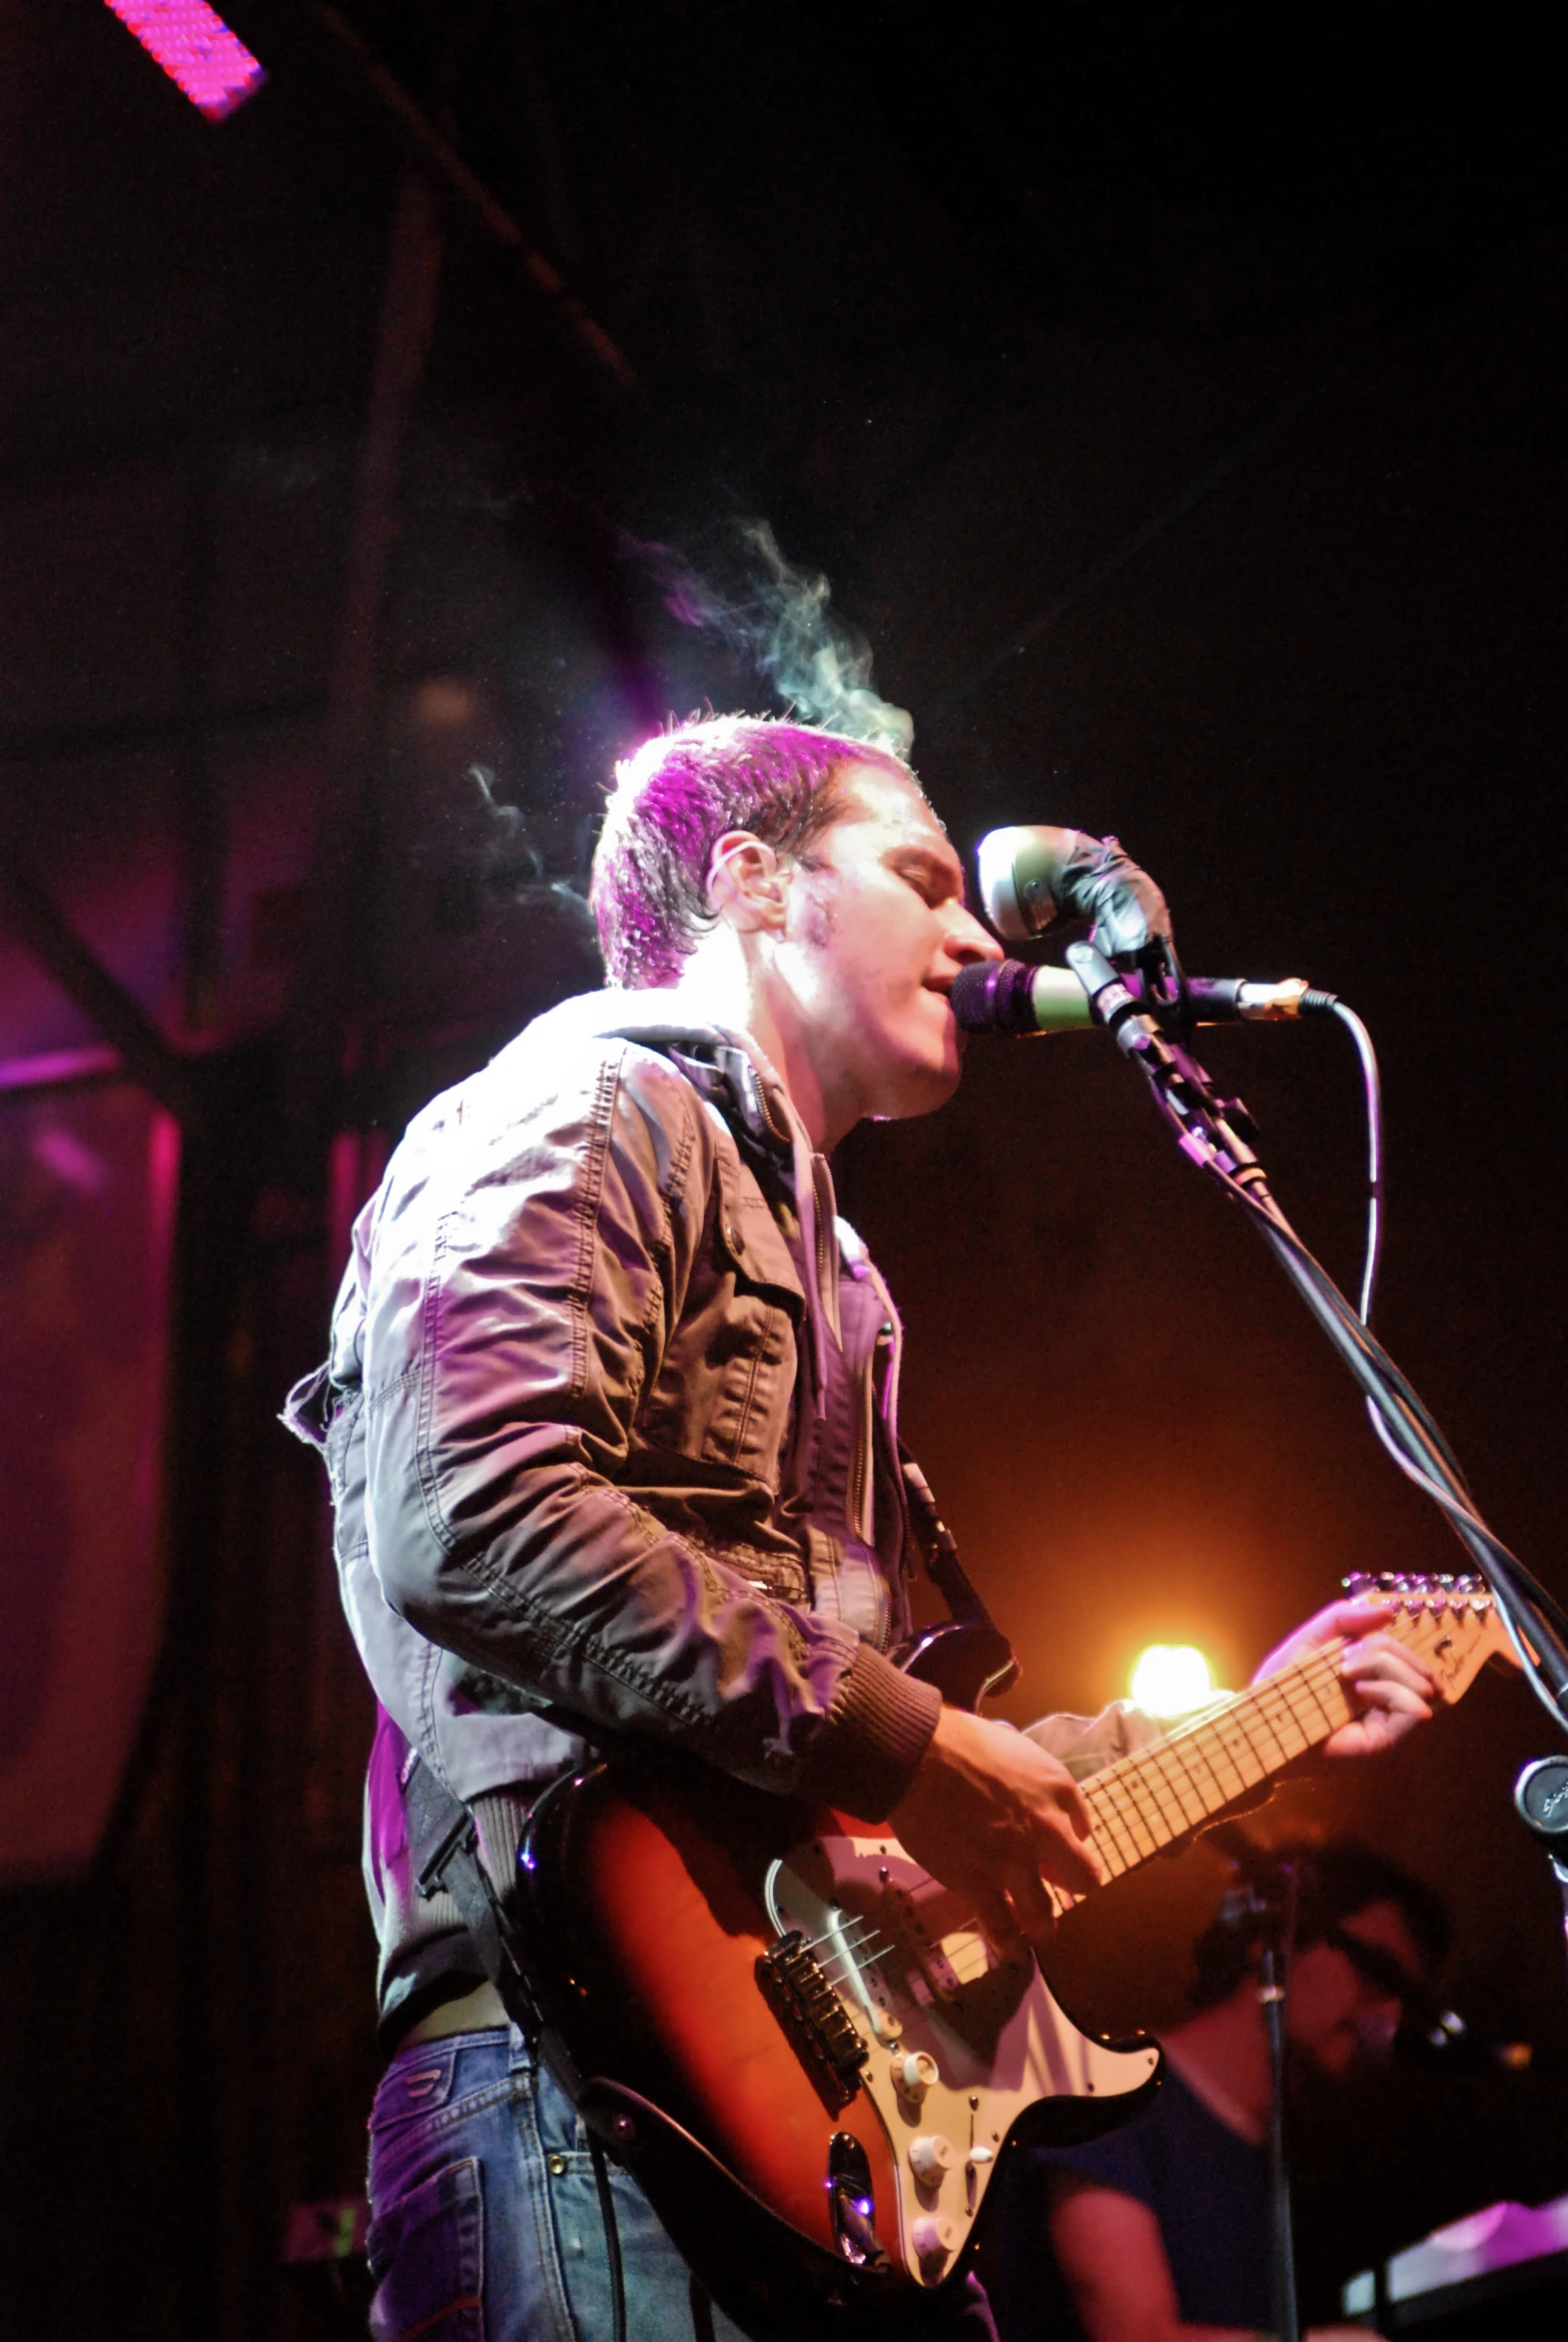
1372, 1090
1466, 1517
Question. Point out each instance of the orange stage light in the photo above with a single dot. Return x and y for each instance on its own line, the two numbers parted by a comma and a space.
1172, 1679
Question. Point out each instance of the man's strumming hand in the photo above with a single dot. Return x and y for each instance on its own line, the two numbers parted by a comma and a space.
993, 1818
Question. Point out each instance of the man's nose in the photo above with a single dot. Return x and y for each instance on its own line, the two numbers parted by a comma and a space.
1378, 2025
969, 943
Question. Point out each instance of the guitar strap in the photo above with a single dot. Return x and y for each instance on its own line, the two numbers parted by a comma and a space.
444, 1849
938, 1549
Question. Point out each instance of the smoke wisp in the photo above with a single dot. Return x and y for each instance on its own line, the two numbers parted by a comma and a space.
780, 621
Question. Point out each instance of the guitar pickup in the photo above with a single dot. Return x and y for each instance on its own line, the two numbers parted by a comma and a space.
814, 2017
951, 1959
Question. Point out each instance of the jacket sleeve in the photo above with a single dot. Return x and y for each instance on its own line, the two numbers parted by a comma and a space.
1086, 1743
525, 1267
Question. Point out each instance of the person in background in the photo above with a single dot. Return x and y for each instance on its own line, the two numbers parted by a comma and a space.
1163, 2229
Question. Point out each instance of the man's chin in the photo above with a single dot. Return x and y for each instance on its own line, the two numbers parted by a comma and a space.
920, 1089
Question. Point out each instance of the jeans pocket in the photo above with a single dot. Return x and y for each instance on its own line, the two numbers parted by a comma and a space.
426, 2253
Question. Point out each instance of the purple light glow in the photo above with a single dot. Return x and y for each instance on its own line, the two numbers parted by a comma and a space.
196, 49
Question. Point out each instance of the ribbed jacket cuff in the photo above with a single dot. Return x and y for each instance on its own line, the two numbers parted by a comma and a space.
880, 1727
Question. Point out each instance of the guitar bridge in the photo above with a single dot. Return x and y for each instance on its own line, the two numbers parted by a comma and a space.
814, 2017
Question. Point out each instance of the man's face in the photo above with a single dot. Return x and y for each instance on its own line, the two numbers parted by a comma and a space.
1346, 2000
876, 931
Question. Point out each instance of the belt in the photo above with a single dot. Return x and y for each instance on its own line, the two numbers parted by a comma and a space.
476, 2012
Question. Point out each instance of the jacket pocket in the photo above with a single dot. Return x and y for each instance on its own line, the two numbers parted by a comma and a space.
426, 2253
724, 1386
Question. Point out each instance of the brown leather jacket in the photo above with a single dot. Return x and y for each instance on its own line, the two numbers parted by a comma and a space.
610, 1414
610, 1419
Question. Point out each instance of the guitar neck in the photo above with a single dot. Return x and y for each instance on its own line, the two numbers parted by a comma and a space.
1147, 1801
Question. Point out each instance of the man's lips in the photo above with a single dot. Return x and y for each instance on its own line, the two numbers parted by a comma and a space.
944, 993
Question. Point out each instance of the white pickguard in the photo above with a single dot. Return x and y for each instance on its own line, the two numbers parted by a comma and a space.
916, 1977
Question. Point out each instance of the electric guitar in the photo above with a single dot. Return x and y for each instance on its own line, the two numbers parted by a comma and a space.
804, 2048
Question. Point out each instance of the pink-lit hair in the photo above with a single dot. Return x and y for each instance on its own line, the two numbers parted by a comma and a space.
675, 798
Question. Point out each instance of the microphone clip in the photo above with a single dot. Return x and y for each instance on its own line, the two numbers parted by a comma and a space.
1203, 1123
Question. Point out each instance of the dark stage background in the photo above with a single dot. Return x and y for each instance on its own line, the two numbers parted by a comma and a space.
1174, 398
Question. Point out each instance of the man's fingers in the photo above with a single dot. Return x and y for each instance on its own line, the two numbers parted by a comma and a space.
1000, 1924
1032, 1908
1393, 1698
1354, 1620
992, 1816
1382, 1673
1077, 1813
1068, 1857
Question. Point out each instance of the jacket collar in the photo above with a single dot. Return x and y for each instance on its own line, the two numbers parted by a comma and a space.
722, 1062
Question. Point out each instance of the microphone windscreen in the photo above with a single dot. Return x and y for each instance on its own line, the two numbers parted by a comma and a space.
1007, 996
992, 997
1019, 871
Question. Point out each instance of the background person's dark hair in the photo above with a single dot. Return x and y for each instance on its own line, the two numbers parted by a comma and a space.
1337, 1879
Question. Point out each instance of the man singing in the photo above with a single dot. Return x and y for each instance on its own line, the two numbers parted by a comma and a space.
611, 1413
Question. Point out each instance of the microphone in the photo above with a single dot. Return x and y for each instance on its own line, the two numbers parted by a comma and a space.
1029, 873
1011, 997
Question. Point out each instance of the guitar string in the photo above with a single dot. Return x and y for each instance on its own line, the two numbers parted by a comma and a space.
1188, 1755
1145, 1822
855, 1967
1171, 1763
1114, 1793
1116, 1821
829, 1934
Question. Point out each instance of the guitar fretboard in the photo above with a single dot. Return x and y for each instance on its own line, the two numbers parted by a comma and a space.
1147, 1801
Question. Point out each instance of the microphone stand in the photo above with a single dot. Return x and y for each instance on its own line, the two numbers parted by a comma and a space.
1271, 1992
1208, 1128
1267, 1902
1541, 1796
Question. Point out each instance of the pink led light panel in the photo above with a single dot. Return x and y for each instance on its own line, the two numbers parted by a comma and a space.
196, 49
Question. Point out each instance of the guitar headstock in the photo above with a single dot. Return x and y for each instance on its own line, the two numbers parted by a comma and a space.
1451, 1623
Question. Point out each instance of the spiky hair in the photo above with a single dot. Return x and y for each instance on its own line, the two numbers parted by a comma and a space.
676, 797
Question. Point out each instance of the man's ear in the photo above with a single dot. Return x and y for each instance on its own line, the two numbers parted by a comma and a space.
748, 885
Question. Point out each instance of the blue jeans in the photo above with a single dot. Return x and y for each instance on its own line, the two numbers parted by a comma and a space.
485, 2223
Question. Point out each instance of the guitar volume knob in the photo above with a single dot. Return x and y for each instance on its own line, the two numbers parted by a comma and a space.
913, 2074
935, 2240
931, 2159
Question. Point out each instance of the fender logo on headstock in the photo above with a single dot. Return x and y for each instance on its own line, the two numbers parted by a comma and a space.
1450, 1622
